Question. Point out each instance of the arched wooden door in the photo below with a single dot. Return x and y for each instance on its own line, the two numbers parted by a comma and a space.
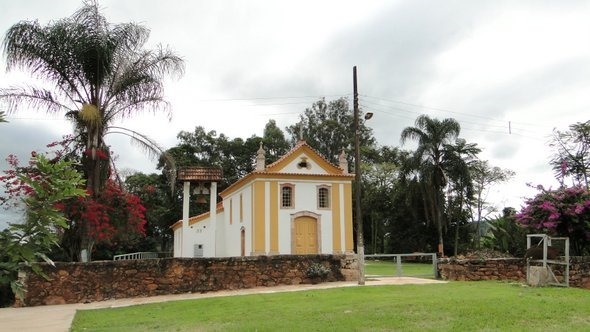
305, 235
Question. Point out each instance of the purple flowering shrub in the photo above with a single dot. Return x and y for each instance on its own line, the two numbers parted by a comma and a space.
561, 212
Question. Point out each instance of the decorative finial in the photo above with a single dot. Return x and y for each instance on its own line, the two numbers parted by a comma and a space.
260, 159
343, 162
301, 131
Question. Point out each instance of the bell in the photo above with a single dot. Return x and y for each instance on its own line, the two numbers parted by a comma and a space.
201, 199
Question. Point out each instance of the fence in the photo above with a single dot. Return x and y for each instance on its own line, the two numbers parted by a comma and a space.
397, 260
142, 255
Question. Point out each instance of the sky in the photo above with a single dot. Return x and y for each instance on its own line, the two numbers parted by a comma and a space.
510, 72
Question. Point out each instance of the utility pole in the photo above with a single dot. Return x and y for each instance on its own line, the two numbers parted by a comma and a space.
360, 246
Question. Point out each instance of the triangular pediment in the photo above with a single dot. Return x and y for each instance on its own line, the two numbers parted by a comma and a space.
302, 159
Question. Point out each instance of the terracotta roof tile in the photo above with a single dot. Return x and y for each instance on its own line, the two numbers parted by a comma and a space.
193, 173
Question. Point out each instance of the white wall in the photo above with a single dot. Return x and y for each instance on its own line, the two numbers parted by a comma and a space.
177, 242
305, 200
231, 236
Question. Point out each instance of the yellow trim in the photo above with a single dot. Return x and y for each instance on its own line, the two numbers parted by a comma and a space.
274, 217
310, 154
336, 242
231, 211
241, 208
252, 225
284, 176
348, 217
259, 217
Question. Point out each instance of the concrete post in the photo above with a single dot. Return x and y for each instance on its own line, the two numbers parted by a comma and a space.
184, 243
213, 218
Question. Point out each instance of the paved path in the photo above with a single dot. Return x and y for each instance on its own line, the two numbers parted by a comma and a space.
59, 318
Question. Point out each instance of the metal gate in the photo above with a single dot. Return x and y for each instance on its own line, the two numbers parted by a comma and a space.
396, 261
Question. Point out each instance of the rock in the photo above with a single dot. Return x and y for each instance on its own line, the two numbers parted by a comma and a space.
53, 300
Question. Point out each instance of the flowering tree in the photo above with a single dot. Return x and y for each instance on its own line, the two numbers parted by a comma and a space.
562, 212
115, 217
39, 187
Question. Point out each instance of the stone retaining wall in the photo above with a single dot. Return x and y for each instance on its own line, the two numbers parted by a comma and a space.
103, 280
508, 269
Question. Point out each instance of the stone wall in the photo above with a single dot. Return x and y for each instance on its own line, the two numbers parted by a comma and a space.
508, 269
103, 280
479, 269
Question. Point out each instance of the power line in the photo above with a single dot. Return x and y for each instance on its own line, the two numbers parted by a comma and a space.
463, 127
450, 111
273, 98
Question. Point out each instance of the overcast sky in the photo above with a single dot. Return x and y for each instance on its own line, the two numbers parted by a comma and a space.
484, 63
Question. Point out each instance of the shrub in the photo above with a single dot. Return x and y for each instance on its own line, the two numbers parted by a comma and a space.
317, 270
561, 212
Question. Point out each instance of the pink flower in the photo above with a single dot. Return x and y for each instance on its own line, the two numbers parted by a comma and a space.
563, 168
548, 206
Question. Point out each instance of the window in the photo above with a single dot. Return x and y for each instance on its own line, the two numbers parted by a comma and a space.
324, 197
287, 194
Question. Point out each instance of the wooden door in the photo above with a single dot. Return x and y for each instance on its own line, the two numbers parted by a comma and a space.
306, 235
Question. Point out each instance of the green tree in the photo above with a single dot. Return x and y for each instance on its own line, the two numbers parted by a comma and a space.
484, 177
99, 73
572, 154
458, 158
41, 188
432, 135
329, 128
505, 235
162, 209
274, 142
379, 178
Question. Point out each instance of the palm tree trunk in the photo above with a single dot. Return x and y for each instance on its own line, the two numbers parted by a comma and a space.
438, 216
457, 222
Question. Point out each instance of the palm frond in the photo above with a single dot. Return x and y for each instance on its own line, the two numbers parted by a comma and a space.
149, 146
48, 53
18, 98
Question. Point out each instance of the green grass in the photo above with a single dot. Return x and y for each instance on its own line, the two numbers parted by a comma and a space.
456, 306
388, 268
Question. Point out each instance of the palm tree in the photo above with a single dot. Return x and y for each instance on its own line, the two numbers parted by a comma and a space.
98, 73
432, 135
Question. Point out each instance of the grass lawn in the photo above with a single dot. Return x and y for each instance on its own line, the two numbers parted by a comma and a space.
388, 268
456, 306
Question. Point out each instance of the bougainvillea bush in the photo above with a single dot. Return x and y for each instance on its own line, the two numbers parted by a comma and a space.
116, 217
561, 212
